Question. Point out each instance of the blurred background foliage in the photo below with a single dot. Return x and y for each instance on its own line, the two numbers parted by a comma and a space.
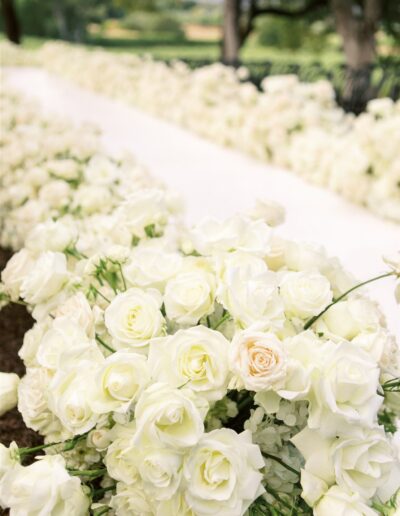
270, 36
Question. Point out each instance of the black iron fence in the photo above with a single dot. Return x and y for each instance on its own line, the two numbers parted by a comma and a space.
353, 87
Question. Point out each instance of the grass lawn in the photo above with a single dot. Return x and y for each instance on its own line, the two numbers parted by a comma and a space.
164, 47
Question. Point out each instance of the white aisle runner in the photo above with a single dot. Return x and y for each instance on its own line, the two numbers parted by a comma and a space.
217, 181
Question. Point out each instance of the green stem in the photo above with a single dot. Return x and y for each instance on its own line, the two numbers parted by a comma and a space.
102, 490
311, 321
100, 294
277, 497
102, 511
101, 341
281, 462
222, 320
122, 276
34, 449
392, 385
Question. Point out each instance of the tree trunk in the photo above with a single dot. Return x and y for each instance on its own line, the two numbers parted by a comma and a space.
11, 23
357, 25
60, 18
231, 32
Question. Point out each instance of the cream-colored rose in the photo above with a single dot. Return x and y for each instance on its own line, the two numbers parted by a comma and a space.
8, 391
258, 360
222, 473
344, 390
134, 317
46, 278
119, 382
8, 458
196, 357
100, 171
90, 198
16, 270
55, 193
305, 294
189, 296
341, 502
269, 211
44, 487
160, 470
131, 500
170, 417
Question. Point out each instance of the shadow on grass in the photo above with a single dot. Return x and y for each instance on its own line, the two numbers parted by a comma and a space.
147, 41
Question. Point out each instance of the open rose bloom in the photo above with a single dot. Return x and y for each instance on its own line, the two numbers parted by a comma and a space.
182, 371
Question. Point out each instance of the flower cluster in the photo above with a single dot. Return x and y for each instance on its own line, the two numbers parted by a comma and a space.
218, 369
288, 123
51, 169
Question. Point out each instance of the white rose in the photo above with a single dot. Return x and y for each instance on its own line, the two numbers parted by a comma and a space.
134, 317
237, 233
196, 357
350, 317
63, 336
393, 262
141, 209
91, 199
55, 193
358, 461
33, 404
258, 360
269, 211
362, 461
77, 308
100, 171
8, 391
176, 505
222, 473
305, 294
151, 267
119, 382
69, 398
189, 297
46, 278
121, 459
160, 470
131, 500
249, 291
170, 417
8, 458
341, 503
51, 236
16, 270
345, 390
44, 487
32, 339
303, 257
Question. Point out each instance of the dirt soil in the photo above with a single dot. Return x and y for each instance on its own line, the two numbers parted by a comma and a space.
14, 322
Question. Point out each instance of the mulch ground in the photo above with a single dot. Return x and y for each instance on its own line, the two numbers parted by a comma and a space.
14, 322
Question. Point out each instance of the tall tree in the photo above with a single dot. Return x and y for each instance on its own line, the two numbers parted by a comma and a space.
356, 21
11, 22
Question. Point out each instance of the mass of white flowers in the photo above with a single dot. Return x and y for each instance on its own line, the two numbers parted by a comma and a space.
288, 123
174, 371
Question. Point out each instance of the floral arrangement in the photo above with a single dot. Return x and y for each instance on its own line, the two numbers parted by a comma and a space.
51, 169
218, 369
288, 123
